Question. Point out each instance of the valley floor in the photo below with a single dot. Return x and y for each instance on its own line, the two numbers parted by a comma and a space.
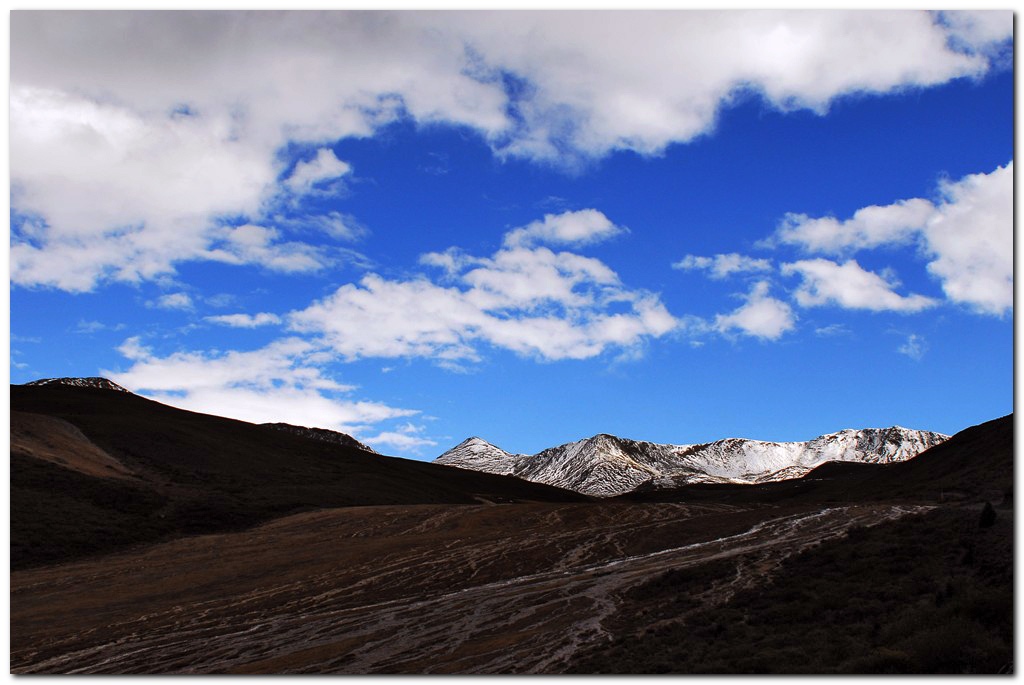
509, 588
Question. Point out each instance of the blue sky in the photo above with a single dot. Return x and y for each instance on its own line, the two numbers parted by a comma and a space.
532, 227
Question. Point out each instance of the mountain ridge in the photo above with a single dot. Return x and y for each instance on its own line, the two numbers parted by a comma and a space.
321, 434
81, 382
189, 473
606, 465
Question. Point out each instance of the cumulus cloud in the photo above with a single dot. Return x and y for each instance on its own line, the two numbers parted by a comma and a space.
115, 194
722, 265
983, 32
134, 136
246, 320
967, 233
174, 301
583, 227
762, 316
970, 237
325, 166
850, 286
279, 382
869, 227
530, 300
592, 89
251, 244
406, 438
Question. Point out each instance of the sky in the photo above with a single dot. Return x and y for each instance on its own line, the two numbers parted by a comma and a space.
532, 227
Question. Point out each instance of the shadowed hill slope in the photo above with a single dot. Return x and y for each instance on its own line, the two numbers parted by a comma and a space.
198, 473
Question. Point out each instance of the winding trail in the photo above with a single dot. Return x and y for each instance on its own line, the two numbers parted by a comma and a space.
516, 588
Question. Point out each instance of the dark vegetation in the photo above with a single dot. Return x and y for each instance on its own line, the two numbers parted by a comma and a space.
673, 594
927, 594
200, 473
59, 514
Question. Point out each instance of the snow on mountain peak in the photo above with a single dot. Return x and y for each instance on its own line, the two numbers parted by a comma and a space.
89, 382
477, 454
606, 465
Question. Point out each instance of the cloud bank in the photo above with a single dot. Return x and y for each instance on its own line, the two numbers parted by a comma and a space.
280, 382
525, 298
140, 140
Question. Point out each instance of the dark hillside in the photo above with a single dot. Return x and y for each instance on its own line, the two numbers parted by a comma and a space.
200, 473
926, 594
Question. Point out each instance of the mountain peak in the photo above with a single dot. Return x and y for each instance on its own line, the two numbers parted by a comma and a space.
87, 382
607, 465
477, 454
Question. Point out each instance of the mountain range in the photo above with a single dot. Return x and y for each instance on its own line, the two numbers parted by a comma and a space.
605, 465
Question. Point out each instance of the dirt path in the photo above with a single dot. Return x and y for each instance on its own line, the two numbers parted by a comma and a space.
488, 589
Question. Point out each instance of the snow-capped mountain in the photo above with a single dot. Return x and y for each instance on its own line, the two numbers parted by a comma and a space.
606, 465
321, 434
476, 454
90, 382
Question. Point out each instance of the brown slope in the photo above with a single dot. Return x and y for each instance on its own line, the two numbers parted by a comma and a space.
202, 473
57, 441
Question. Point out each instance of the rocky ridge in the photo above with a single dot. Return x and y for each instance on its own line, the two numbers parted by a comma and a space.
606, 465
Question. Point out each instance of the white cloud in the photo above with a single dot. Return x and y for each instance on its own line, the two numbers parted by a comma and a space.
723, 265
967, 233
831, 330
406, 438
279, 382
762, 316
595, 89
337, 225
134, 134
914, 347
174, 301
323, 167
979, 31
582, 227
869, 227
116, 194
246, 320
850, 286
251, 244
89, 326
970, 236
221, 300
532, 301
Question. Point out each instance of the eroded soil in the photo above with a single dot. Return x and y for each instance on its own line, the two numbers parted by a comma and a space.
515, 588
